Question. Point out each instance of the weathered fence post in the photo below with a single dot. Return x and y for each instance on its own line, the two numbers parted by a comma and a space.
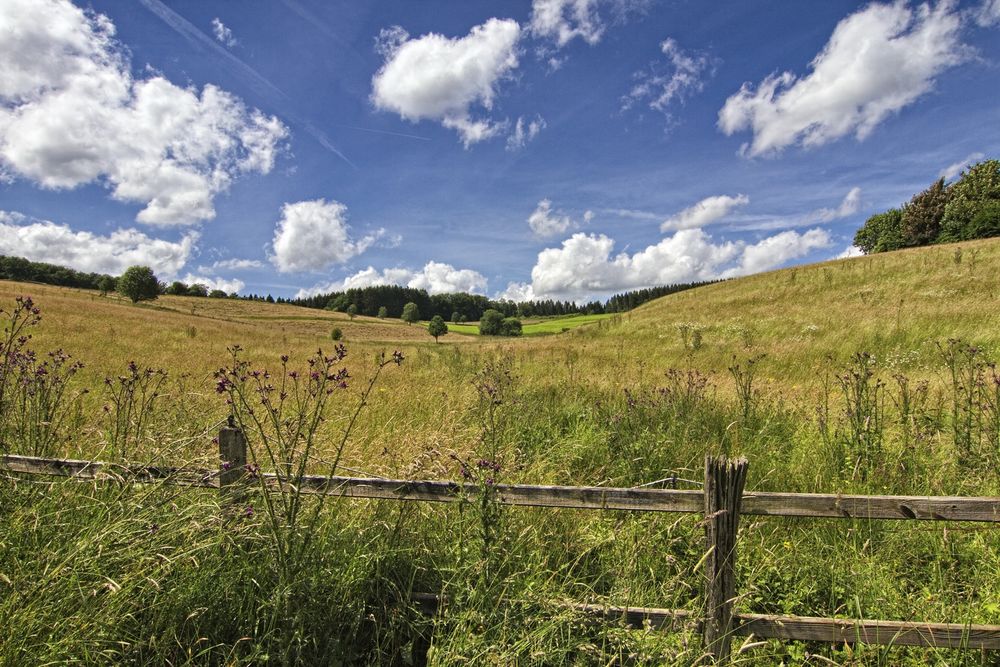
724, 480
232, 461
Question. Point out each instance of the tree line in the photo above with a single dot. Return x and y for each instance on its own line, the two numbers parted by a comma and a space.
964, 210
463, 307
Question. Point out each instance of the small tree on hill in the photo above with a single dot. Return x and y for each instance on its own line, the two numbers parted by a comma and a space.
352, 311
139, 283
437, 327
410, 313
198, 290
881, 233
455, 317
383, 312
176, 288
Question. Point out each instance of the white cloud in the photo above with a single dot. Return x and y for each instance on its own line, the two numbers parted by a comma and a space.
775, 250
233, 265
222, 33
848, 206
226, 285
850, 251
660, 87
546, 222
435, 277
585, 266
524, 132
518, 292
71, 113
565, 20
314, 235
878, 60
988, 14
953, 170
705, 212
436, 78
45, 241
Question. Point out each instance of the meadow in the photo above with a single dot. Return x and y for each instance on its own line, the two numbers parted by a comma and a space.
540, 326
873, 374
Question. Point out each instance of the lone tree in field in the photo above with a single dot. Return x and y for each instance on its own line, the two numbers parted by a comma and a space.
106, 284
491, 323
383, 312
410, 313
139, 283
437, 327
352, 311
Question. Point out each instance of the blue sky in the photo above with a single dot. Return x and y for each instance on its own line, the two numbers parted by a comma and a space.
554, 148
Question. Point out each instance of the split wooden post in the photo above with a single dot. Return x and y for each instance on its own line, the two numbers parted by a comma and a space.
724, 481
232, 461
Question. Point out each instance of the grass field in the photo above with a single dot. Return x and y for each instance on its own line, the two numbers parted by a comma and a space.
833, 377
537, 327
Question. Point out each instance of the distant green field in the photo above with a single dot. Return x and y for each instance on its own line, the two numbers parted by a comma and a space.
537, 327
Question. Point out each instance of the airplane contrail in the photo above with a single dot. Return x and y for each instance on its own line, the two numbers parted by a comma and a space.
260, 84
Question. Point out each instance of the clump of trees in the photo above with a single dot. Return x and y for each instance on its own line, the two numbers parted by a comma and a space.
493, 323
964, 210
18, 268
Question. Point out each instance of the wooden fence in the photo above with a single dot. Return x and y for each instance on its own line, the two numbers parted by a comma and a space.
722, 502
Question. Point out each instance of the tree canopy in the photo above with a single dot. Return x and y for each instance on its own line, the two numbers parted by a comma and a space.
139, 283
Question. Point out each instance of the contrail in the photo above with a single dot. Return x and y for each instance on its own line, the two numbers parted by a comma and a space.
261, 85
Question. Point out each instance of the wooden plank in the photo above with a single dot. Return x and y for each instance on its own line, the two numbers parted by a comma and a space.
98, 470
885, 633
802, 628
815, 505
838, 506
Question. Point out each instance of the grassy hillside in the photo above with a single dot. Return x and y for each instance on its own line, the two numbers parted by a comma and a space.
831, 377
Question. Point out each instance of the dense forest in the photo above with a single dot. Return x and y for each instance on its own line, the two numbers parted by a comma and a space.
18, 268
967, 209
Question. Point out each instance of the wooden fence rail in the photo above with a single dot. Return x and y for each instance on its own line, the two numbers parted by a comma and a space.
722, 502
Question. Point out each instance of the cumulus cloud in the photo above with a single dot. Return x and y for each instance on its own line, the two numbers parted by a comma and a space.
437, 78
850, 251
878, 60
435, 277
705, 212
227, 285
524, 132
222, 33
314, 235
45, 241
988, 14
546, 222
71, 113
953, 170
585, 266
661, 86
775, 250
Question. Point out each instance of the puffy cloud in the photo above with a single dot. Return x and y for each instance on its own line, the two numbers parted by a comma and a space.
314, 235
437, 78
435, 277
585, 266
45, 241
71, 113
705, 212
660, 87
878, 60
524, 132
850, 251
988, 14
953, 170
775, 250
226, 285
222, 33
545, 222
